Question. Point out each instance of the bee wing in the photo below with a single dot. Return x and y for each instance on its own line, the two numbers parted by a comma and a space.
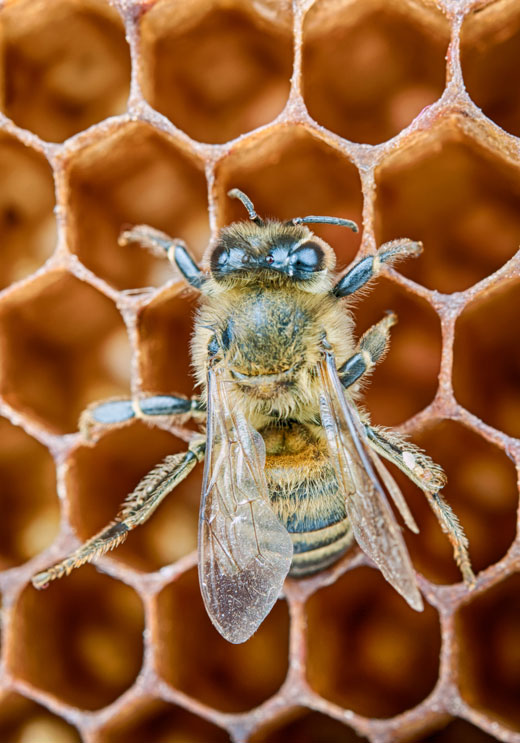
395, 492
244, 551
372, 520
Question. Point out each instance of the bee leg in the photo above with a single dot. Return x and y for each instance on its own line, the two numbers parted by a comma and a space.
160, 243
371, 348
367, 268
137, 508
120, 409
430, 478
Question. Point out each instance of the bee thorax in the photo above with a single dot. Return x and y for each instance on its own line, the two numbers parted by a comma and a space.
264, 340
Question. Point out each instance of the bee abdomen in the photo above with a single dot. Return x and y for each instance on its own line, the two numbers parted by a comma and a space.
316, 550
305, 496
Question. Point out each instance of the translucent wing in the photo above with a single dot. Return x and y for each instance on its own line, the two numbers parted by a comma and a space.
372, 520
394, 490
244, 551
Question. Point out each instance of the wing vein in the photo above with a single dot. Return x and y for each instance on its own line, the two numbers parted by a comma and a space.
371, 517
242, 578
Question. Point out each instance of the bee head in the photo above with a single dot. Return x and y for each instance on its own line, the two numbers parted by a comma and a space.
273, 250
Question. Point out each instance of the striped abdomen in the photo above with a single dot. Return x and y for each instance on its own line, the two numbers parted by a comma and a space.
304, 494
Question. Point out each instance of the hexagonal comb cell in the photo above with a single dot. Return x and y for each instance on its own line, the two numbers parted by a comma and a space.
307, 727
27, 223
458, 731
406, 379
490, 55
28, 500
99, 478
159, 722
459, 201
392, 651
79, 640
24, 721
288, 173
486, 359
449, 179
393, 63
165, 327
488, 631
482, 491
232, 678
66, 65
136, 176
57, 356
218, 70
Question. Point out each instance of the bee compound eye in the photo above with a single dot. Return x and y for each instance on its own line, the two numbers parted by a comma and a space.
219, 258
213, 347
307, 258
225, 338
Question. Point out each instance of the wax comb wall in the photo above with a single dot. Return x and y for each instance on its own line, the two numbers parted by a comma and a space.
402, 115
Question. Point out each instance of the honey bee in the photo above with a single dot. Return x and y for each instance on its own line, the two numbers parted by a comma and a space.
293, 470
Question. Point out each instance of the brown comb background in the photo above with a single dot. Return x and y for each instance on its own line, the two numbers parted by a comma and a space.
403, 115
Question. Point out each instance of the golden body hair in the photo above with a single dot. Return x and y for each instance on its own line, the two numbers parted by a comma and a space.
274, 342
292, 466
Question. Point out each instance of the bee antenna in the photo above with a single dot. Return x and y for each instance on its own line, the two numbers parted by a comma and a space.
324, 220
236, 193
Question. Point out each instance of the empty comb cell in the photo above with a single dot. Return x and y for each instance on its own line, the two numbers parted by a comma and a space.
118, 114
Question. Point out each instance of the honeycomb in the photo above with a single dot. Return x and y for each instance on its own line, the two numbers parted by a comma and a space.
401, 115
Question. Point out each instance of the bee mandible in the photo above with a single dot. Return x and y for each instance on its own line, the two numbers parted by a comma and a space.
293, 467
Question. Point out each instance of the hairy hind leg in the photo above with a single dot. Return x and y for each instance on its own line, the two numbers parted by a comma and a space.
430, 478
136, 509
